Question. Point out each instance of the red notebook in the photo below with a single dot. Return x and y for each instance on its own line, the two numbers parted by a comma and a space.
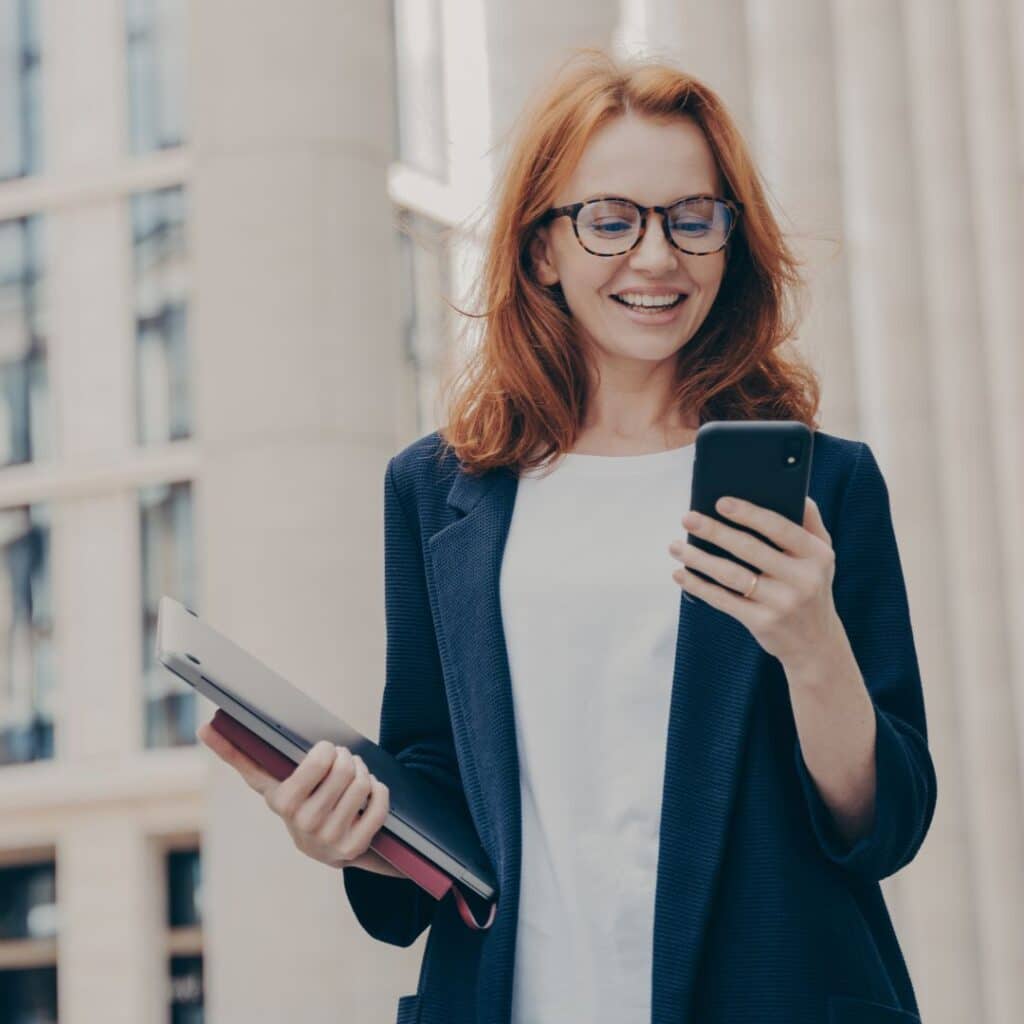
400, 855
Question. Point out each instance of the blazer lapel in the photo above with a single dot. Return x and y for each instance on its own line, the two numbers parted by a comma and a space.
716, 668
463, 578
717, 664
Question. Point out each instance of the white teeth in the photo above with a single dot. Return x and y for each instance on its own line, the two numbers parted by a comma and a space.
635, 299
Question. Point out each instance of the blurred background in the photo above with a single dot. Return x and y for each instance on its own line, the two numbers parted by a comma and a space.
216, 328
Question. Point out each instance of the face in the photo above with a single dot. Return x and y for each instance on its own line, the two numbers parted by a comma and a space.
652, 163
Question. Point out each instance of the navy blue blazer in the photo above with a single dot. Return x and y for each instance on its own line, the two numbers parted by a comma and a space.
763, 915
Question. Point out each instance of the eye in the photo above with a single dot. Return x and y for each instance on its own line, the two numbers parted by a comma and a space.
609, 218
691, 226
611, 226
692, 229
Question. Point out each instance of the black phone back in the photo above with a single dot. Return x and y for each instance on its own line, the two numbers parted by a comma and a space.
766, 462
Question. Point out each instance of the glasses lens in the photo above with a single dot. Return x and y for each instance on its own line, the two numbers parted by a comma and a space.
608, 226
700, 225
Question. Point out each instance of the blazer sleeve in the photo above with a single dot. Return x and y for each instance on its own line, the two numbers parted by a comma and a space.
871, 601
414, 723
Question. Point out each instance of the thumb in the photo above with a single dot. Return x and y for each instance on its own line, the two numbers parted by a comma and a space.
813, 522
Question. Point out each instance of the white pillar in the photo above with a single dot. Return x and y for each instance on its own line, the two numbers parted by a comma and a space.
903, 421
951, 971
706, 40
996, 162
91, 353
796, 143
989, 506
110, 899
109, 888
885, 294
297, 346
527, 42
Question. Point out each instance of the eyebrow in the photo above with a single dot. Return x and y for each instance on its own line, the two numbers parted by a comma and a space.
612, 195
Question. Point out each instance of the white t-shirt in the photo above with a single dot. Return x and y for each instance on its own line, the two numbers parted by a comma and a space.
590, 613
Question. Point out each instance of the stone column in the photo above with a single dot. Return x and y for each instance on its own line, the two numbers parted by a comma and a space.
918, 404
297, 345
708, 40
527, 41
109, 886
111, 902
996, 159
796, 144
951, 972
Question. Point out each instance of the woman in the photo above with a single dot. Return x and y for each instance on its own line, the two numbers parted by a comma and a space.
688, 804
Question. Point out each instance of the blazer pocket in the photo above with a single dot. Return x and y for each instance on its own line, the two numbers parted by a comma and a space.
408, 1010
851, 1010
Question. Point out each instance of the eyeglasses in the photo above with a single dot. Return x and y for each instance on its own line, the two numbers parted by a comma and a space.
610, 226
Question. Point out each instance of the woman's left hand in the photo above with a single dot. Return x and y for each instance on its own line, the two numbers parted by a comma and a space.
790, 611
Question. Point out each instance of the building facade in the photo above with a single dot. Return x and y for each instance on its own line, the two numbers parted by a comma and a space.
222, 261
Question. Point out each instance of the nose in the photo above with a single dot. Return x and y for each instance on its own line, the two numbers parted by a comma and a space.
654, 253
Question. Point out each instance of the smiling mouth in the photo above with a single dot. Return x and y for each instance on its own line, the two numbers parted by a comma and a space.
649, 309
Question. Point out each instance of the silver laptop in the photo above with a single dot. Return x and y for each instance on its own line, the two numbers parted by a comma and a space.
422, 815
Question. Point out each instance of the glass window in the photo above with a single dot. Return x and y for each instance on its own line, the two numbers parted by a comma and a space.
155, 50
168, 567
184, 889
186, 990
24, 379
28, 912
27, 669
426, 323
28, 995
419, 93
163, 399
28, 902
20, 114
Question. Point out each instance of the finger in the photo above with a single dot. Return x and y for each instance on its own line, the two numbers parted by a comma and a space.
361, 834
813, 521
722, 570
352, 801
258, 778
293, 792
716, 596
744, 545
312, 814
780, 530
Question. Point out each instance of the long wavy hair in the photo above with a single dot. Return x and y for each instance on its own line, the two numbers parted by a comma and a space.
520, 396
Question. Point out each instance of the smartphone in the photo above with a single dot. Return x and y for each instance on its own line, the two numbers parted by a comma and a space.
766, 462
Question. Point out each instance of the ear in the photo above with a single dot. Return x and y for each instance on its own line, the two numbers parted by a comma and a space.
540, 254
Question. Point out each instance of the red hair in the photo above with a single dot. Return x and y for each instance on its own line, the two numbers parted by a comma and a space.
519, 399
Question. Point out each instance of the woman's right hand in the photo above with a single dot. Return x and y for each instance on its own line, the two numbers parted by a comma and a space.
331, 805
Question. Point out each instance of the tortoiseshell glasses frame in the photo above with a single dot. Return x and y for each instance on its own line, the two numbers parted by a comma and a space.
730, 208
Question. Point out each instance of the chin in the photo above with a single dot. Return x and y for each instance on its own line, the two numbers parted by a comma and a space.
646, 349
